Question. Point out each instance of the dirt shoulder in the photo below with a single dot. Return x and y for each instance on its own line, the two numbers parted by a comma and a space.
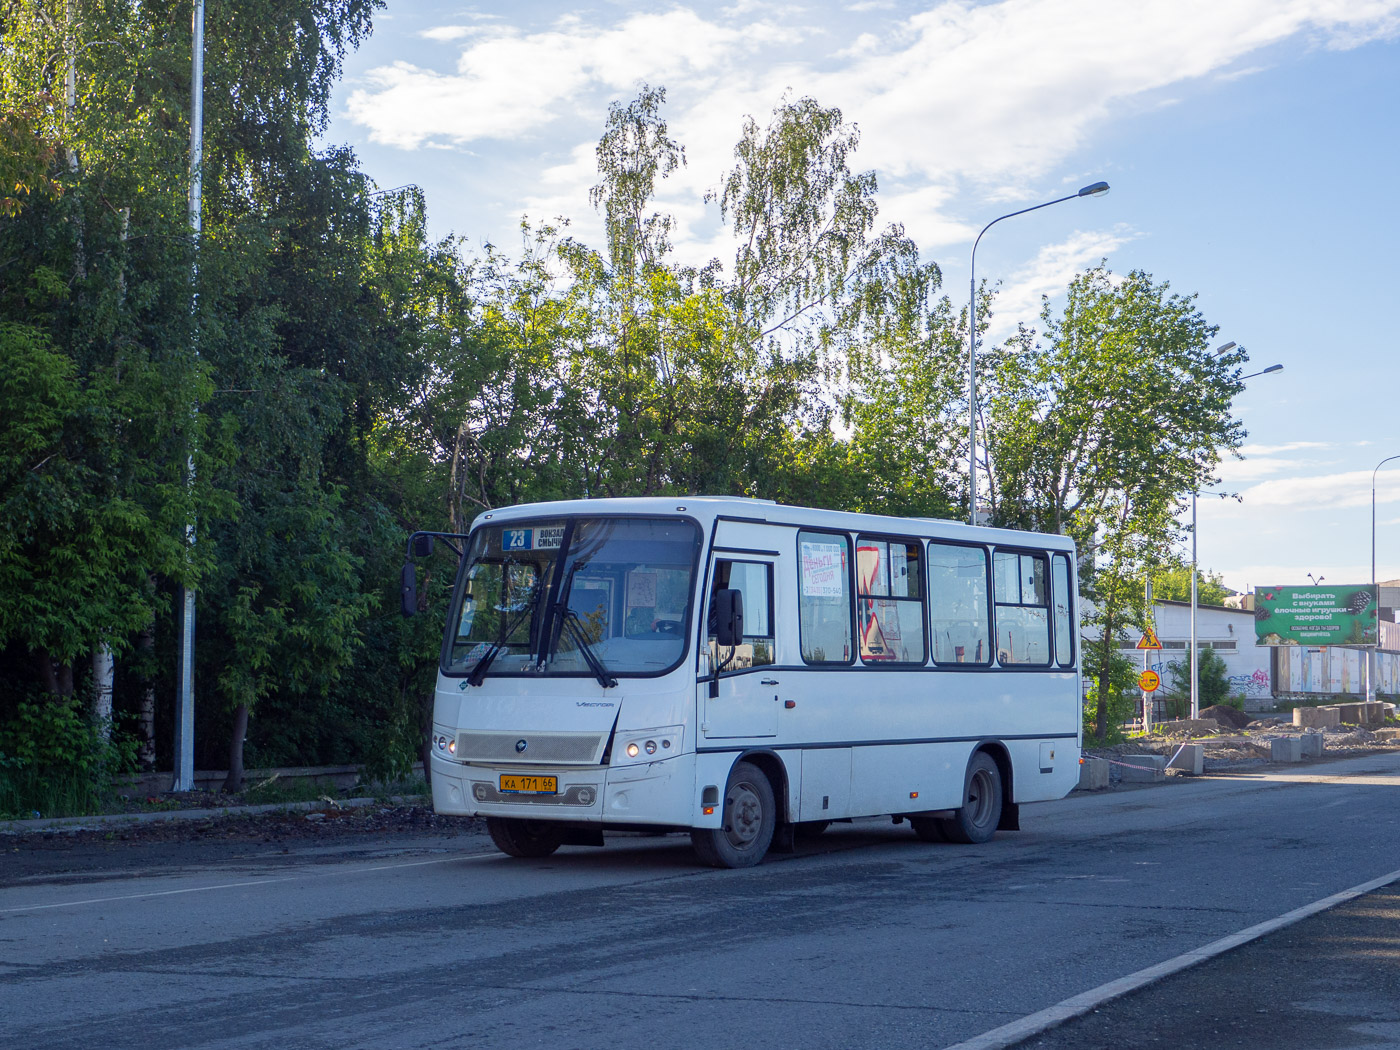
1232, 750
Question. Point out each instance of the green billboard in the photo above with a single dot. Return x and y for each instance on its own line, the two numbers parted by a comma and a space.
1315, 615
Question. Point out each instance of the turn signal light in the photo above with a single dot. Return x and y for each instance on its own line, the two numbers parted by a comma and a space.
708, 810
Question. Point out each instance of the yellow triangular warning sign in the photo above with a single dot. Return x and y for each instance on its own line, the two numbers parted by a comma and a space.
1149, 640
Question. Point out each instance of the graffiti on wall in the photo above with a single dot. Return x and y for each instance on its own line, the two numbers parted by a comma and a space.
1256, 684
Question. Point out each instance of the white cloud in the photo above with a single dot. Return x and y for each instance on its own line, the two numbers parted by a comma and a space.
446, 34
1291, 446
1349, 489
990, 95
1055, 265
508, 84
1255, 468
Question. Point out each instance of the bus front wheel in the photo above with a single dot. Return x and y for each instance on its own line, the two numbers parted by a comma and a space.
524, 838
750, 816
977, 818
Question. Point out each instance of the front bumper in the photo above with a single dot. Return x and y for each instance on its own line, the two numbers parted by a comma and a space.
647, 793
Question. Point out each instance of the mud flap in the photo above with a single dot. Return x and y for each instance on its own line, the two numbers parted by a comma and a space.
1010, 817
784, 838
581, 835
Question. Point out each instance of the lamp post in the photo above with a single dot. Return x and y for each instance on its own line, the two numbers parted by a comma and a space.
1371, 655
1095, 189
1195, 655
1316, 580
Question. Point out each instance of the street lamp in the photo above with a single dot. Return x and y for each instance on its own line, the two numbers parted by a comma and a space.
1316, 580
1094, 189
1371, 655
1196, 656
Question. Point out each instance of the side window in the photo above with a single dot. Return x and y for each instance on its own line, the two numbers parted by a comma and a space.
889, 601
754, 580
958, 604
1020, 584
824, 597
1064, 623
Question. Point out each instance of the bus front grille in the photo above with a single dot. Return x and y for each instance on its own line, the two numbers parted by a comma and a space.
533, 748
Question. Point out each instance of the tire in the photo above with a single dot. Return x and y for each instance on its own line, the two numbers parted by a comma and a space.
929, 829
808, 830
524, 838
749, 819
977, 818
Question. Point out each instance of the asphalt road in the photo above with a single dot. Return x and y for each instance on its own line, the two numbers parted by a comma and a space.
867, 939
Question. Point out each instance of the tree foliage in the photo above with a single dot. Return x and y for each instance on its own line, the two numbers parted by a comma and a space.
1102, 427
1172, 582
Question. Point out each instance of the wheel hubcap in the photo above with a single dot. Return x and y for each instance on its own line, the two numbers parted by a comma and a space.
745, 812
980, 792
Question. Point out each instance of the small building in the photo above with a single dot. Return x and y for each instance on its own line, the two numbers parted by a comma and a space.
1229, 632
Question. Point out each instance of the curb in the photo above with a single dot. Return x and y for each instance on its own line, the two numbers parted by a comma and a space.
97, 823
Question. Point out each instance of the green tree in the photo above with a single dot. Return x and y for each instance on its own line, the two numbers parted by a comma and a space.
1212, 678
1101, 429
1172, 582
95, 294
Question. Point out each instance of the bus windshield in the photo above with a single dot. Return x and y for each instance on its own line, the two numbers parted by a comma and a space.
575, 596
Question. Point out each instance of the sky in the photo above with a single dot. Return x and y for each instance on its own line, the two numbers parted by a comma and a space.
1252, 146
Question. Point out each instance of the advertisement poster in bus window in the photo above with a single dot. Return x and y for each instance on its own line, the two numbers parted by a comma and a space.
823, 570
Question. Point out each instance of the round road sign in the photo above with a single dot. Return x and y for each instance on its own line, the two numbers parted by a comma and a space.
1148, 681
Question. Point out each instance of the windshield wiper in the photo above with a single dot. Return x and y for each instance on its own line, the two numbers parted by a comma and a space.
478, 672
580, 636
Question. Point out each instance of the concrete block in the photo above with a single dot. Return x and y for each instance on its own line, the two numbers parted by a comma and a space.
1313, 745
1316, 717
1388, 734
1143, 769
1093, 774
1351, 714
1189, 758
1373, 713
1286, 749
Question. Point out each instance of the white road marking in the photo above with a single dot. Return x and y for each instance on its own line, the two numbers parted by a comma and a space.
1042, 1020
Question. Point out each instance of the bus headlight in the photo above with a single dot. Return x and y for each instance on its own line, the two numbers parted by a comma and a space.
648, 745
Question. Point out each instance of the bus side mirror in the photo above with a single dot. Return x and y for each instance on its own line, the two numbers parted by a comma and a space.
729, 617
422, 546
408, 590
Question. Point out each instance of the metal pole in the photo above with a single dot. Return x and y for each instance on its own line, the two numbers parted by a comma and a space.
1097, 189
972, 389
1371, 654
1195, 669
184, 714
1147, 696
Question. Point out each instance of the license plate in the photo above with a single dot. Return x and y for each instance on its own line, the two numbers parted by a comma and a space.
515, 784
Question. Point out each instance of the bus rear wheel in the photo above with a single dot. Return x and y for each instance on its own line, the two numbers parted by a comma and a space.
524, 838
749, 819
977, 818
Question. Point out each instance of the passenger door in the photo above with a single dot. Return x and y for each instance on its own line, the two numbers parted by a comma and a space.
745, 701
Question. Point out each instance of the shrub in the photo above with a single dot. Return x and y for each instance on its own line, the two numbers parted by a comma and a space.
54, 762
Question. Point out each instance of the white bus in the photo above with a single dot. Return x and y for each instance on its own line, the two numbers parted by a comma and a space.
748, 672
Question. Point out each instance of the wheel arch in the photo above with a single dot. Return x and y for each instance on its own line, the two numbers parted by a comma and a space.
772, 766
1001, 755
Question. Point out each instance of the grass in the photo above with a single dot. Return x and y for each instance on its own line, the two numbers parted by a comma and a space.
274, 790
25, 794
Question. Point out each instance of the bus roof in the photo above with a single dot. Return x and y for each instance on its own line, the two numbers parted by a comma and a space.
707, 509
